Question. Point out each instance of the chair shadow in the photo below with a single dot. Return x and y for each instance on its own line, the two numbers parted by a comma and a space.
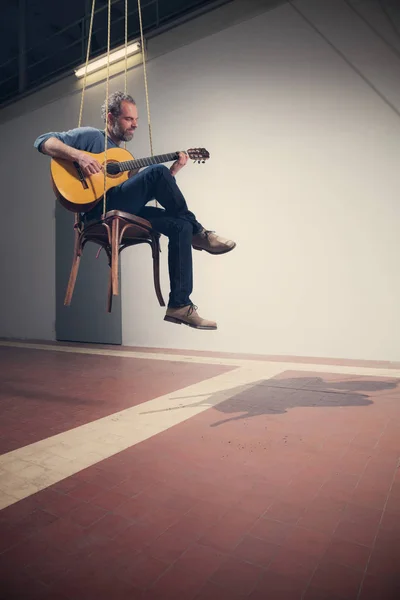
278, 396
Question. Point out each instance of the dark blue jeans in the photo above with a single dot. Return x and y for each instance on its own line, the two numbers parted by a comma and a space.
174, 220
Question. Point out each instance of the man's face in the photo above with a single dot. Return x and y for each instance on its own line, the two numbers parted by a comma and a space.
123, 127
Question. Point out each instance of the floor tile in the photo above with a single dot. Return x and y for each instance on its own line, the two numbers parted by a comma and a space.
338, 579
284, 486
348, 554
236, 575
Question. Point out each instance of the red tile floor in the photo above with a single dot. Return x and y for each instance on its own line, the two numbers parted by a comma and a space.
289, 489
45, 393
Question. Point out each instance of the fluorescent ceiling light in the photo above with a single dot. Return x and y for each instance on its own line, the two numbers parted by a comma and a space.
115, 56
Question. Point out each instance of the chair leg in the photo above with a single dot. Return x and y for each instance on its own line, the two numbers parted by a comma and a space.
110, 294
74, 270
114, 255
155, 248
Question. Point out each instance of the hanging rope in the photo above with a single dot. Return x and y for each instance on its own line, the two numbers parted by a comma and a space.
145, 76
87, 61
77, 217
126, 53
126, 48
108, 82
107, 94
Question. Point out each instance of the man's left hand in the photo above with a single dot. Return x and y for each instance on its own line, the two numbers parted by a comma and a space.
180, 163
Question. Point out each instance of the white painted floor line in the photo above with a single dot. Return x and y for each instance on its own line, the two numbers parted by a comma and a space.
32, 468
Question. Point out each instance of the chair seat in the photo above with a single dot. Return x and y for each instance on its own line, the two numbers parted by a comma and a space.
134, 219
134, 229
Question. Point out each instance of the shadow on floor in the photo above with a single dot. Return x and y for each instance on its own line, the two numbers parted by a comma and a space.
277, 396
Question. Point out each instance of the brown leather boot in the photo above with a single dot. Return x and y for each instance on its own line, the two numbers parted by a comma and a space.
212, 243
187, 315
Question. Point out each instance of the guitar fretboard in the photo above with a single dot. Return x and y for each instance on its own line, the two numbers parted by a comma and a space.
129, 165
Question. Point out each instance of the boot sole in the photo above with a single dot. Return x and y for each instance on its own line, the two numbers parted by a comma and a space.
180, 322
215, 253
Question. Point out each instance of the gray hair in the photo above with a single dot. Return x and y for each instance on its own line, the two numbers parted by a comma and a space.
114, 104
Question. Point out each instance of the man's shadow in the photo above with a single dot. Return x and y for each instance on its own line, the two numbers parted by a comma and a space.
277, 396
280, 395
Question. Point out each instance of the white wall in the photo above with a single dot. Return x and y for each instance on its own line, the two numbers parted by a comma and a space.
303, 175
27, 240
27, 267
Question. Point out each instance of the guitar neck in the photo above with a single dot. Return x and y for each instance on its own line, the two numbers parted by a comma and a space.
130, 165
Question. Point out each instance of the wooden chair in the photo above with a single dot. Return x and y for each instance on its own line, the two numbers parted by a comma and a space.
114, 232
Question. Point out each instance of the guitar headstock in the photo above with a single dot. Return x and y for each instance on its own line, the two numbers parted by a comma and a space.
198, 154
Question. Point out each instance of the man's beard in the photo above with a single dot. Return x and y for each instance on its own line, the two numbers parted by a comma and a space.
119, 134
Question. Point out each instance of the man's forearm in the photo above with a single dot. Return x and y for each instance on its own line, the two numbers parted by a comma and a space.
57, 149
179, 164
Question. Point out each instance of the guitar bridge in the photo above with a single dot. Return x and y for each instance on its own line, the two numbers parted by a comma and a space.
81, 176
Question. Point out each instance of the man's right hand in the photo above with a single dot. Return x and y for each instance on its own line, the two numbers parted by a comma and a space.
89, 165
57, 149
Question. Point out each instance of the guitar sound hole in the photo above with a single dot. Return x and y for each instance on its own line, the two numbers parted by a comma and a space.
113, 168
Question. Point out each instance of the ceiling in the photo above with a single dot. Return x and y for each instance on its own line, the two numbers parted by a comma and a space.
54, 35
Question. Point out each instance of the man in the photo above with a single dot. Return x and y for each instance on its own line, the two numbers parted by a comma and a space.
156, 182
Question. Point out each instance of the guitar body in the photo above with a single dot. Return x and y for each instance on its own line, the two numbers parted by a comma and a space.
78, 193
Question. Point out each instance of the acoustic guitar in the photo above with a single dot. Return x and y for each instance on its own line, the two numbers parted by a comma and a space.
79, 193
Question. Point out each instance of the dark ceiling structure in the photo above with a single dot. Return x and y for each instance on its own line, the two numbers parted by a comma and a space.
42, 40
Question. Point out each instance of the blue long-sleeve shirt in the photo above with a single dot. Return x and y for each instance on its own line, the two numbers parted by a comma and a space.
88, 139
